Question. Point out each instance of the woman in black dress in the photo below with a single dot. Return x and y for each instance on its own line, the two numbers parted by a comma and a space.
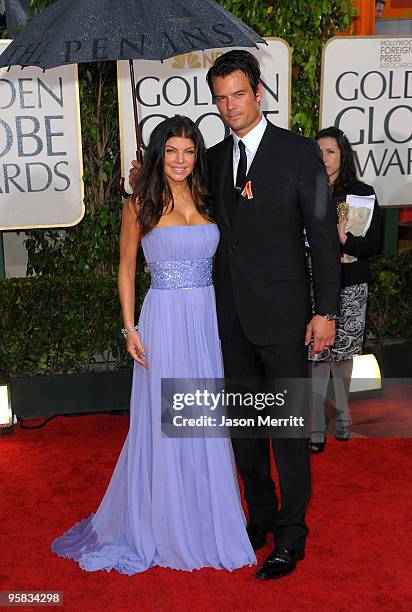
337, 361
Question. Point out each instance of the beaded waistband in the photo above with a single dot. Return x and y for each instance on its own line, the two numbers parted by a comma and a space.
181, 274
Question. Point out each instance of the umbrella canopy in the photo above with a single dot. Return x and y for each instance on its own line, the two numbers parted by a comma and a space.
76, 31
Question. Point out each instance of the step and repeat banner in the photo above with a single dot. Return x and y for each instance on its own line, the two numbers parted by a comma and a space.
178, 87
366, 91
40, 148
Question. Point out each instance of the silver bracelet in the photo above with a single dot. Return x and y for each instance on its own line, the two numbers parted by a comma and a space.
129, 330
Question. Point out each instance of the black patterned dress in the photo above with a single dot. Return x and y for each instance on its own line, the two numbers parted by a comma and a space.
350, 326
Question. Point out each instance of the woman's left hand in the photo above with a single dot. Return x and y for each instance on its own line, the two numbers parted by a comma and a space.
341, 231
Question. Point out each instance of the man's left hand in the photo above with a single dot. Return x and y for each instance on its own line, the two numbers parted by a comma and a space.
323, 333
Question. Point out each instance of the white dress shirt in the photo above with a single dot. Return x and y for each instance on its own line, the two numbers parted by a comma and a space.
251, 141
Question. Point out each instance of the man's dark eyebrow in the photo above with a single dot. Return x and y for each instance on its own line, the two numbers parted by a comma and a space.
234, 93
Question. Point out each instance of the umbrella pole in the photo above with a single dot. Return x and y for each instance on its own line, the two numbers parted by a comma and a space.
136, 116
139, 158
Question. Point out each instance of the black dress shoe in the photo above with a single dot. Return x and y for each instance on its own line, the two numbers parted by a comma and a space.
316, 447
281, 562
257, 534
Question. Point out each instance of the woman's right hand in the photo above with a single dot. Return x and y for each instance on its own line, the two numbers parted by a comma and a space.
342, 231
135, 348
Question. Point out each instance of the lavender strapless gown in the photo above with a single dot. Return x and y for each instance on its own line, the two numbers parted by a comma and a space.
171, 502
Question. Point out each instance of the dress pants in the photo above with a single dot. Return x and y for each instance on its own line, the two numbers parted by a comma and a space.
243, 359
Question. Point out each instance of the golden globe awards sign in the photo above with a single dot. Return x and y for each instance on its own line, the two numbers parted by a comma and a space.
40, 148
178, 87
367, 93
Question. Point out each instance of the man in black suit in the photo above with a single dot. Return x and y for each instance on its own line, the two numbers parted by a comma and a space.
268, 184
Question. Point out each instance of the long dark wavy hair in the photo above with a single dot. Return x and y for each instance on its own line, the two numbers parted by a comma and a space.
152, 193
347, 171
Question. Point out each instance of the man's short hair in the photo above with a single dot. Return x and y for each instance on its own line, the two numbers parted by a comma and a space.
238, 59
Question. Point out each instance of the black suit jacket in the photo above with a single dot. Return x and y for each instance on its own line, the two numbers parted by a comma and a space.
260, 265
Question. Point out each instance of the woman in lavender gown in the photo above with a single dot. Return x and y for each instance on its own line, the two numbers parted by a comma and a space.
171, 502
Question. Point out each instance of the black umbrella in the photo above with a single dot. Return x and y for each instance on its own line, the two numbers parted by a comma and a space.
76, 31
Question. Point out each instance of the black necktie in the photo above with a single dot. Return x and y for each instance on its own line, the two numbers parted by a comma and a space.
241, 169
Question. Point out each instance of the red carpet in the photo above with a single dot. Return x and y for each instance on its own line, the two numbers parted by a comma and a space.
358, 554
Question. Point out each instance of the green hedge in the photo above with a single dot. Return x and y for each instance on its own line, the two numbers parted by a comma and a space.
389, 313
70, 324
60, 325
